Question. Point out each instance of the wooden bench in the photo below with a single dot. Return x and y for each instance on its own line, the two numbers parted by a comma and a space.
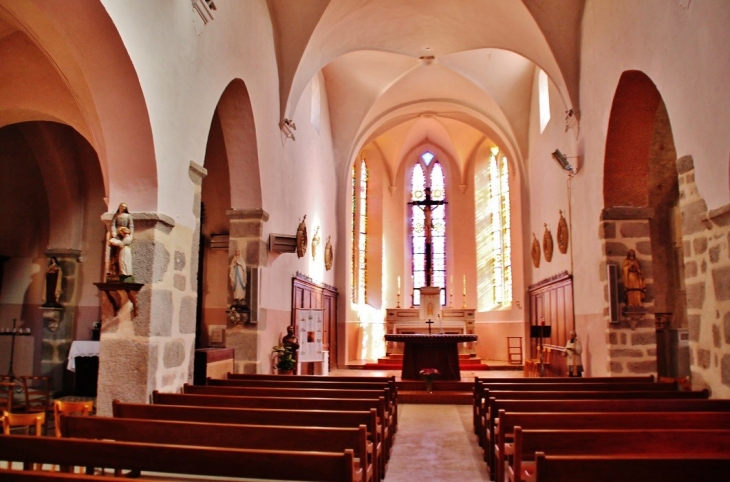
179, 459
480, 383
390, 393
507, 421
480, 400
261, 416
681, 442
266, 437
486, 438
45, 476
615, 405
387, 415
629, 468
285, 403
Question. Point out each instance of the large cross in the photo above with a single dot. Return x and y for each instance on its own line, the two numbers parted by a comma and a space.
428, 205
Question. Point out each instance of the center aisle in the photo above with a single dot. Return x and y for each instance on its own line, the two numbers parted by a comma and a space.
435, 443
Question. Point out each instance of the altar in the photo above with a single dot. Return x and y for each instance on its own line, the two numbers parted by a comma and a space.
409, 321
431, 351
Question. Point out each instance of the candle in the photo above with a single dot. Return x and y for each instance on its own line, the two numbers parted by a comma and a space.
464, 292
451, 281
398, 284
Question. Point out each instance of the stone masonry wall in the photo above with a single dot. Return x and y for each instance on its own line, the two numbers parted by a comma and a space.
631, 350
706, 237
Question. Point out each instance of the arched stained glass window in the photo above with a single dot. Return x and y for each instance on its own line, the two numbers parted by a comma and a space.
428, 183
493, 233
358, 271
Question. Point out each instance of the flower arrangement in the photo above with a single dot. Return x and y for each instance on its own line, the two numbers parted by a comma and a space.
428, 374
285, 360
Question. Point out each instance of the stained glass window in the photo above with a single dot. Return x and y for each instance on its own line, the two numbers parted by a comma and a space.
493, 233
428, 173
358, 271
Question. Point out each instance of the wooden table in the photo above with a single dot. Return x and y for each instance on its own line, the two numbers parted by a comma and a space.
431, 351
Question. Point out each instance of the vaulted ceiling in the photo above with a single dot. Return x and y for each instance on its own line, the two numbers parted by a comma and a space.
455, 72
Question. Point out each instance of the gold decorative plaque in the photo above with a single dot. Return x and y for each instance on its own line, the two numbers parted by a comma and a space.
547, 244
302, 238
563, 235
535, 251
328, 255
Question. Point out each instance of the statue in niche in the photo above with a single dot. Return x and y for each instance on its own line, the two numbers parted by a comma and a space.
315, 243
302, 237
120, 261
634, 285
535, 251
52, 289
547, 244
328, 255
121, 236
563, 236
238, 278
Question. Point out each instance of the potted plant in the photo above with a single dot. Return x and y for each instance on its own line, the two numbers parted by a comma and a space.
285, 360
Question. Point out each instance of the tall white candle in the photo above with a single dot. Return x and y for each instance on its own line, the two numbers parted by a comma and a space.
398, 284
451, 282
464, 292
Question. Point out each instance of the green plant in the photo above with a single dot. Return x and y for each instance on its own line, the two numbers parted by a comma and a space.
284, 357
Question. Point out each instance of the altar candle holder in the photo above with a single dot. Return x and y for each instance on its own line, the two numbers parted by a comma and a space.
397, 304
463, 304
451, 300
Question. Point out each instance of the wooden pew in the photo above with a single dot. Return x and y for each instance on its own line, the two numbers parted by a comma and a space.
386, 415
45, 476
629, 468
679, 442
492, 395
285, 403
179, 459
605, 405
507, 421
266, 437
390, 393
260, 416
553, 384
480, 383
482, 409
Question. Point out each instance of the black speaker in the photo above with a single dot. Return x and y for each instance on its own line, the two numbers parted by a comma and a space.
537, 331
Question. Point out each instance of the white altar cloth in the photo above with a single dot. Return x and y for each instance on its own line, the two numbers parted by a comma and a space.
81, 348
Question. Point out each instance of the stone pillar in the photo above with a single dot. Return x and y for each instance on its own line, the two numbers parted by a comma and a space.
632, 341
58, 323
246, 235
706, 236
148, 337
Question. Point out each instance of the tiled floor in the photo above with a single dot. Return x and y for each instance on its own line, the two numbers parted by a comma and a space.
435, 442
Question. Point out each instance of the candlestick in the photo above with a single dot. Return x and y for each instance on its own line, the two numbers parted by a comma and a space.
397, 304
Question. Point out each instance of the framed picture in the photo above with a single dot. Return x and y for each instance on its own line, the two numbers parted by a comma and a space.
217, 336
309, 331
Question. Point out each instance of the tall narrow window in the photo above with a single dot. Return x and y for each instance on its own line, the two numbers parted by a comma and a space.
543, 96
428, 223
494, 263
358, 277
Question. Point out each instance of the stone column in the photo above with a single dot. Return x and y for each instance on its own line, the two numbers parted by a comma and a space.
631, 342
58, 323
246, 235
148, 337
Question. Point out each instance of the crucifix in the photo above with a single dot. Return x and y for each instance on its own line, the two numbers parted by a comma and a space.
427, 206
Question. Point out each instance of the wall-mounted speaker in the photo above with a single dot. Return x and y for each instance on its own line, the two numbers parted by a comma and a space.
612, 277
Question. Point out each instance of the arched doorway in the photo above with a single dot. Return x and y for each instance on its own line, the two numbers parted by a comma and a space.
231, 221
641, 213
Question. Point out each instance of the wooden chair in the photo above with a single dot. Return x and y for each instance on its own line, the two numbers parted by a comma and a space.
37, 393
24, 420
68, 407
7, 392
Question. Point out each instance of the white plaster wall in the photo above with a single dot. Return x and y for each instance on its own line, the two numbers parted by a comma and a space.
184, 71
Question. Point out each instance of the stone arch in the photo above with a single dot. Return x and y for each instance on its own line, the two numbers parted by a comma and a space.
70, 65
232, 216
641, 212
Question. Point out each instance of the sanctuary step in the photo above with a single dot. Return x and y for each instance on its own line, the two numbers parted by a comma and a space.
395, 362
444, 392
